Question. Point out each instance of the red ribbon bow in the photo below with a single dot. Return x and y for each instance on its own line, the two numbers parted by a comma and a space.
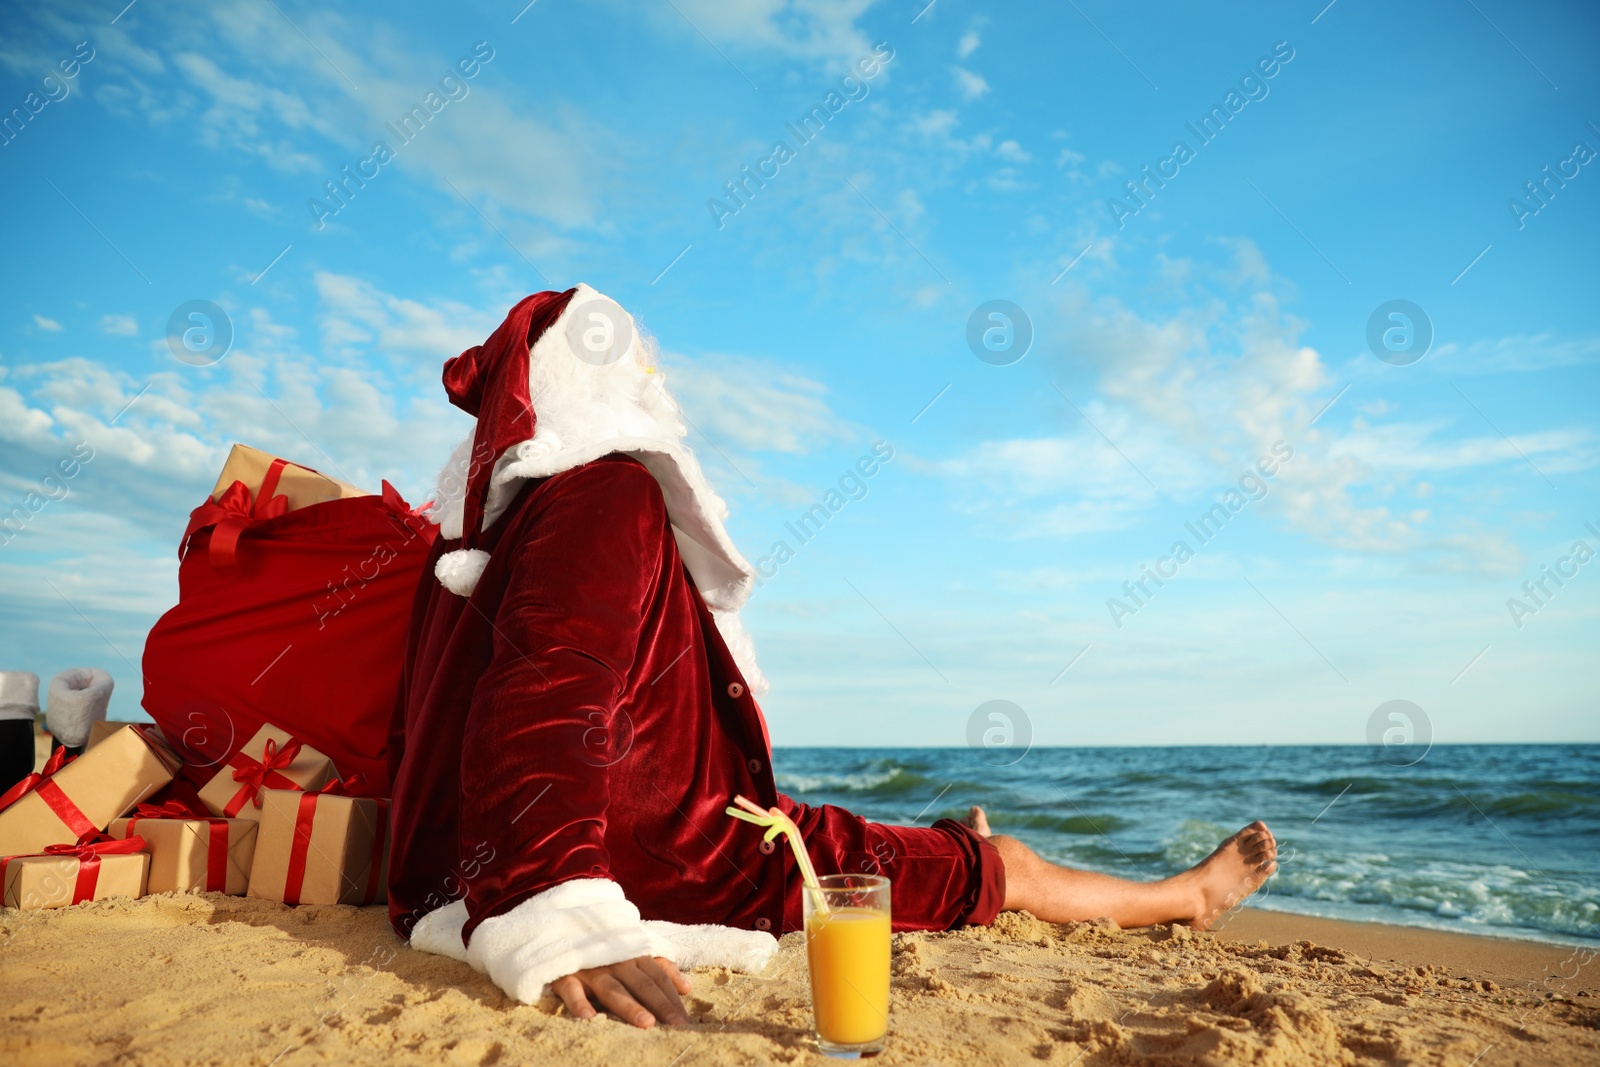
59, 803
87, 852
353, 786
216, 837
259, 774
239, 513
233, 511
300, 847
172, 809
98, 846
57, 760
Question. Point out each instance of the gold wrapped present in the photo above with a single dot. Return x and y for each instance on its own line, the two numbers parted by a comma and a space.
267, 476
72, 799
189, 850
272, 759
71, 874
321, 848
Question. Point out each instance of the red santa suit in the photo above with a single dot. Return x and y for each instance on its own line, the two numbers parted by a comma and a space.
577, 707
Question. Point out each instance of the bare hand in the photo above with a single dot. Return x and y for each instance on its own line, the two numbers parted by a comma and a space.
638, 991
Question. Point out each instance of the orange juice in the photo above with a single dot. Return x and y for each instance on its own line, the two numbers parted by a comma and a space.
848, 952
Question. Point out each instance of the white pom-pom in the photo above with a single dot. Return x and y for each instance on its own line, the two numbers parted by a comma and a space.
460, 570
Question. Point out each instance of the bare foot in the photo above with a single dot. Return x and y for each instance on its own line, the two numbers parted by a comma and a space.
978, 821
1231, 873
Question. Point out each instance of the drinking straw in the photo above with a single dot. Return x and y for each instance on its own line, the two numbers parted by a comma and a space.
777, 823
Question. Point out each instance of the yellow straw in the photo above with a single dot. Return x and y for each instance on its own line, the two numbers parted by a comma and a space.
777, 823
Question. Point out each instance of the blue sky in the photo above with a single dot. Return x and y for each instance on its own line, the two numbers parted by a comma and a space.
1176, 340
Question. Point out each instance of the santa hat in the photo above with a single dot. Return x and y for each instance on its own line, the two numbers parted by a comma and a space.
565, 379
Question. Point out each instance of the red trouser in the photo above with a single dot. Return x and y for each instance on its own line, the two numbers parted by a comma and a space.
941, 876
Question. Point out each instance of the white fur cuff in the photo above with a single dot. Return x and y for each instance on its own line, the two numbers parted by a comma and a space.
577, 925
714, 946
569, 927
460, 570
439, 932
79, 697
19, 694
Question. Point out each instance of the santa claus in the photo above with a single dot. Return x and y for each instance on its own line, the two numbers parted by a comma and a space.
578, 706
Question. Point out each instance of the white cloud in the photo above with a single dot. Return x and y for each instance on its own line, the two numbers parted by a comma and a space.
48, 325
823, 30
969, 84
119, 325
936, 123
1007, 180
1193, 397
1013, 151
252, 85
1515, 354
1013, 482
21, 423
939, 126
357, 316
968, 44
338, 411
1414, 446
754, 405
355, 408
240, 110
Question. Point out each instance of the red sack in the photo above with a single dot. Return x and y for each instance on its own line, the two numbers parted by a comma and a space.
294, 618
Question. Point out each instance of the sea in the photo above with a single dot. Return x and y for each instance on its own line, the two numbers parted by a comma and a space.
1492, 840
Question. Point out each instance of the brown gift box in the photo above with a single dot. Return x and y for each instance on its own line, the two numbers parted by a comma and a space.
100, 730
103, 783
310, 769
34, 882
302, 485
104, 728
180, 852
335, 866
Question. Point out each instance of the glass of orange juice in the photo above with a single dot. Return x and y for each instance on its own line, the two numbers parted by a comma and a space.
847, 948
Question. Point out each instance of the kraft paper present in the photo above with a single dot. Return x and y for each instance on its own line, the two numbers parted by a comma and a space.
301, 485
104, 728
264, 763
35, 882
204, 855
86, 793
340, 854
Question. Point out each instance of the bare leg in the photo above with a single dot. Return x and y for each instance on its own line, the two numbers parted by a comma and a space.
1198, 896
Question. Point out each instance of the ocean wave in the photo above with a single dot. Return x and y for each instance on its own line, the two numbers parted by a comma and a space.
1542, 804
1489, 897
861, 782
1501, 840
1001, 819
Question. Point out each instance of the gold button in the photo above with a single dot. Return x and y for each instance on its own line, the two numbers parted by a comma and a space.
735, 690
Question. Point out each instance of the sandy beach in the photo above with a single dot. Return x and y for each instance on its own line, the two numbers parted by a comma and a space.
209, 979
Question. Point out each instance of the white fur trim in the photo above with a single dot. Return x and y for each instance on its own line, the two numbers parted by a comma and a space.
19, 694
576, 925
79, 697
568, 927
439, 932
586, 410
460, 570
709, 945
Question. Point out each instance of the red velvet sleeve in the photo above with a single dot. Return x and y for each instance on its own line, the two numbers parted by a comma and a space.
583, 566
